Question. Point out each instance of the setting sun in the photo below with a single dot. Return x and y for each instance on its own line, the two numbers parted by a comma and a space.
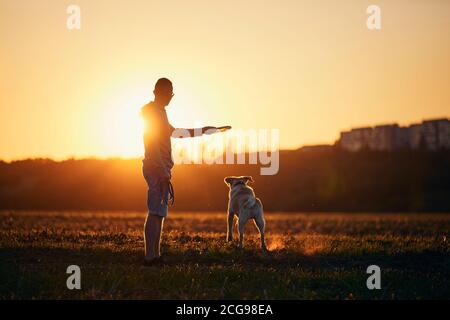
120, 126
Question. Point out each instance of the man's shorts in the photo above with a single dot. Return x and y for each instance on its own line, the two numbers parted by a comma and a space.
156, 201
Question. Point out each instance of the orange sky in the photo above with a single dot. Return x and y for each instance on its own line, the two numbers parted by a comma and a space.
309, 68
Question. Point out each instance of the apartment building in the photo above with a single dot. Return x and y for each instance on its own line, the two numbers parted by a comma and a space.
430, 135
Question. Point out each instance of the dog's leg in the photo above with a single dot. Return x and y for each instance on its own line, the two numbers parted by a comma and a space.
260, 224
241, 225
230, 226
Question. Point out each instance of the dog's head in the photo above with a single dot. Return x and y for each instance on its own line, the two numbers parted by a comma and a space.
234, 181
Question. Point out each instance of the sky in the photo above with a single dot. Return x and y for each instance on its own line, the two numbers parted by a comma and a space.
308, 68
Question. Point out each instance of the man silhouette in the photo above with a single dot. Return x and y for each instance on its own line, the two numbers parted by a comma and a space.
158, 163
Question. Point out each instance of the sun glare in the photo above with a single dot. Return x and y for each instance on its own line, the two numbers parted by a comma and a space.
120, 125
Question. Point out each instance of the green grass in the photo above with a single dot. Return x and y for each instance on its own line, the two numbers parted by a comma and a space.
313, 256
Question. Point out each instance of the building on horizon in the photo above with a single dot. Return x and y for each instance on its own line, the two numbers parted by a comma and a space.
429, 135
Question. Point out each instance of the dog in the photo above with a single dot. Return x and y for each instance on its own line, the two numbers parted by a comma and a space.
243, 203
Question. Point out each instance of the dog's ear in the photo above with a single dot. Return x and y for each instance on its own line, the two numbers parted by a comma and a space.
228, 180
248, 179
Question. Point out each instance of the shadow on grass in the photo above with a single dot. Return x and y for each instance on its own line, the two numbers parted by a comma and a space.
229, 256
225, 273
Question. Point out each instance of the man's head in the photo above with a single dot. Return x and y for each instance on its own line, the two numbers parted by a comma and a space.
163, 92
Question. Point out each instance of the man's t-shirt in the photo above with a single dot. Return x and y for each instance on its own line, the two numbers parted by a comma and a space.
158, 148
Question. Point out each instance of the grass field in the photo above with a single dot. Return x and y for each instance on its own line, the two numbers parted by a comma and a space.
313, 256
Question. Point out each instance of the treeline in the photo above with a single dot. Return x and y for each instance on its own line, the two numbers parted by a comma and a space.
331, 180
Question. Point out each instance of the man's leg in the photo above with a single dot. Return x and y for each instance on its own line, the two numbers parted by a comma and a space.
159, 223
149, 248
157, 210
152, 236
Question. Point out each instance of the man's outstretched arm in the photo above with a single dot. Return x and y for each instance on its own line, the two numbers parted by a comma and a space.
196, 132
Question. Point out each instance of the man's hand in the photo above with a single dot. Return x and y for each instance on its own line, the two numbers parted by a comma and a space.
164, 189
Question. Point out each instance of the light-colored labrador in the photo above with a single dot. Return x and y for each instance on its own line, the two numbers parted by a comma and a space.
244, 204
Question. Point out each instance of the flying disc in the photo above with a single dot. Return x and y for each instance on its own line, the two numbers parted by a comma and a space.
224, 128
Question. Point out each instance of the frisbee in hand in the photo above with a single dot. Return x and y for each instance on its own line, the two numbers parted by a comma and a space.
223, 129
